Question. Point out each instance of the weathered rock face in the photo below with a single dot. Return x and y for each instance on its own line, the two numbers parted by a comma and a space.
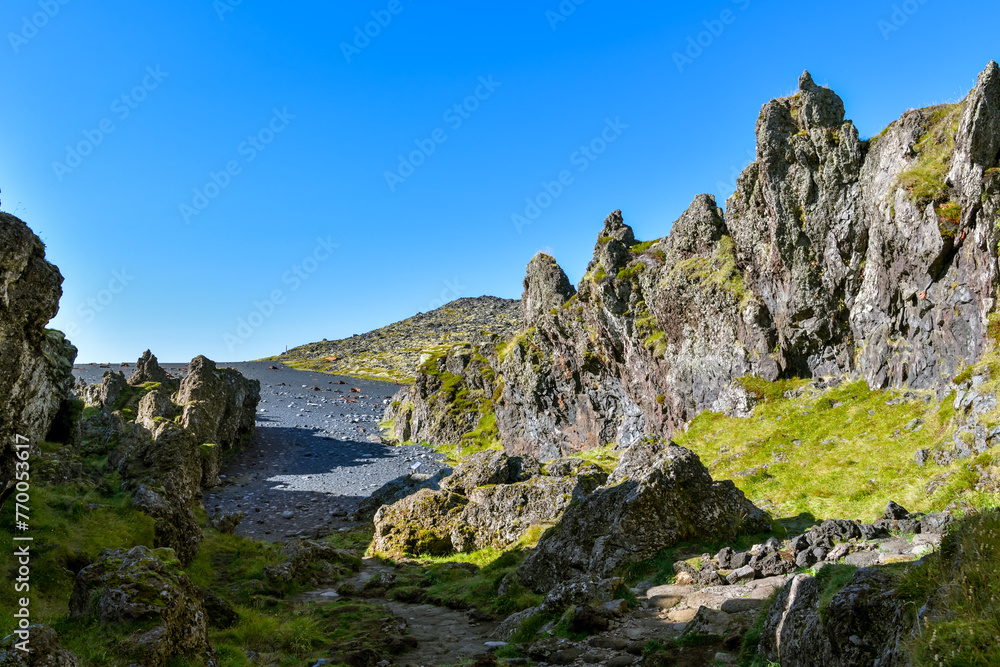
46, 650
219, 403
140, 585
147, 369
657, 496
451, 399
171, 444
545, 287
835, 255
865, 624
36, 363
491, 500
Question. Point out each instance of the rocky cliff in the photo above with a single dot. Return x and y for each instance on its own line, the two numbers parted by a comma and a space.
167, 437
36, 363
875, 258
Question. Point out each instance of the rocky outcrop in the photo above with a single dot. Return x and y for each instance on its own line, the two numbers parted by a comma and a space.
220, 405
836, 255
491, 500
451, 401
171, 437
312, 561
546, 287
658, 495
865, 624
147, 369
36, 363
45, 650
143, 587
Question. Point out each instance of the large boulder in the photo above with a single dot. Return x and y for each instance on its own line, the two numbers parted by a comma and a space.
498, 516
489, 467
483, 503
423, 523
220, 404
36, 364
658, 495
144, 588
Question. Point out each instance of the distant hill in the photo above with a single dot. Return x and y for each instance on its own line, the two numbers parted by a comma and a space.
393, 352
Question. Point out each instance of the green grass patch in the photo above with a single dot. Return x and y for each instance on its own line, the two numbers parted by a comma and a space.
718, 271
924, 182
71, 525
814, 453
962, 580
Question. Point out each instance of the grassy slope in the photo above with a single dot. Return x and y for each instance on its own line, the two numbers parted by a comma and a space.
841, 453
393, 352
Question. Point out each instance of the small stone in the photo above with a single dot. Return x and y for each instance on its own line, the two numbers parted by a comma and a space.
287, 514
741, 575
895, 512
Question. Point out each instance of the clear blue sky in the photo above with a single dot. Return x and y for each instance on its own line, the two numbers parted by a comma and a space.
300, 131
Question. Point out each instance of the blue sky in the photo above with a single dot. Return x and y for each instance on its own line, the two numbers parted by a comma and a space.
232, 177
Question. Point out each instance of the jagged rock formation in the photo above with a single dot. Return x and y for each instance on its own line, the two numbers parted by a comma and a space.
451, 400
36, 363
835, 255
394, 352
658, 495
171, 436
144, 587
545, 287
490, 500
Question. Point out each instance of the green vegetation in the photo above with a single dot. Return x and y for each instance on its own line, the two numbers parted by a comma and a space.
78, 521
392, 353
631, 272
648, 328
718, 271
472, 580
925, 181
71, 524
962, 581
643, 247
811, 453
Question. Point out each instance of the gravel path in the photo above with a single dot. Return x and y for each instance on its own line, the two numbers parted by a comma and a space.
317, 452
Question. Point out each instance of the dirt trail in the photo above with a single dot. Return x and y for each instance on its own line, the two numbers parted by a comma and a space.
445, 636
